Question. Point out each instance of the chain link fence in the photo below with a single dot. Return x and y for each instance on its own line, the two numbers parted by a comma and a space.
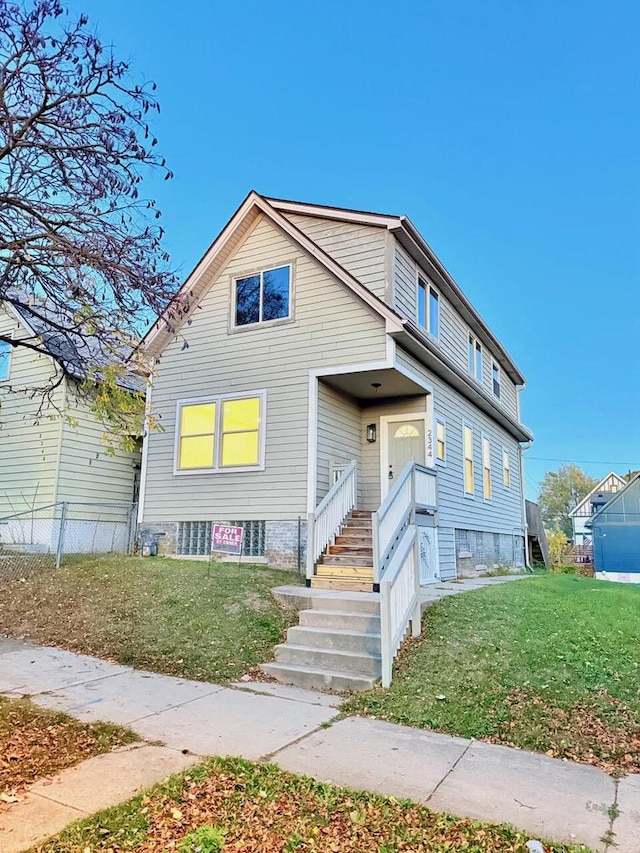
43, 537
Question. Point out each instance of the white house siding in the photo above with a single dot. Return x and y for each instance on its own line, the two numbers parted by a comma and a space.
454, 332
88, 472
503, 513
330, 327
360, 249
339, 435
29, 442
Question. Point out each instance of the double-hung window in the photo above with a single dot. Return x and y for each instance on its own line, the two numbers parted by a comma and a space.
495, 378
467, 432
428, 308
220, 433
486, 467
5, 359
262, 297
441, 441
475, 358
506, 468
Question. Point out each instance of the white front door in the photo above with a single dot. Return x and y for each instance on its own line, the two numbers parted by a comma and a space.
403, 441
428, 555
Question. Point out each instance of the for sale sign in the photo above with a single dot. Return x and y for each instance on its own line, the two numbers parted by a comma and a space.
227, 538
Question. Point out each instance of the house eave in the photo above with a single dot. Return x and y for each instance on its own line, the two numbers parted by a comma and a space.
419, 345
410, 238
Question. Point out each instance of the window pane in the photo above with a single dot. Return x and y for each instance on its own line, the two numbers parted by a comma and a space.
196, 452
240, 448
487, 484
248, 300
434, 313
198, 420
422, 303
440, 440
275, 293
468, 476
471, 355
241, 414
5, 355
478, 361
468, 443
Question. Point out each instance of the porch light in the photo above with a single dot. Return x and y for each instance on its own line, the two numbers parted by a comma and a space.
371, 433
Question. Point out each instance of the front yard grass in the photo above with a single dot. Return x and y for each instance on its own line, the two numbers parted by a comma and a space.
35, 743
178, 617
548, 664
258, 807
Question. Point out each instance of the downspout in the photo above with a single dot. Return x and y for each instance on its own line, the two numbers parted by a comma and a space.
521, 450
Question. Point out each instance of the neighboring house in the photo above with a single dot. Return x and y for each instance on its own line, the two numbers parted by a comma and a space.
537, 544
313, 349
51, 448
615, 527
599, 495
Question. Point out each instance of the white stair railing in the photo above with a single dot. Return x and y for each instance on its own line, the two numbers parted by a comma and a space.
325, 522
396, 567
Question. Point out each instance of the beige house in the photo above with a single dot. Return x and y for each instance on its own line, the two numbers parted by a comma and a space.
52, 449
320, 372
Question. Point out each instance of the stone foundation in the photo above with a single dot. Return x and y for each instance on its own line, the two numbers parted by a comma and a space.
479, 552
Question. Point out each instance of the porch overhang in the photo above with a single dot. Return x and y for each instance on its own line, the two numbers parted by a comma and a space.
371, 385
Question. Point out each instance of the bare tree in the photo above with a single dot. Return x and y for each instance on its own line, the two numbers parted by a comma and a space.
80, 248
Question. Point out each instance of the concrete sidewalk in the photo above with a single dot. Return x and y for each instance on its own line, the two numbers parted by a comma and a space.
544, 796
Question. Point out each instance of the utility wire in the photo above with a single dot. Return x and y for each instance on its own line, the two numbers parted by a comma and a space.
581, 461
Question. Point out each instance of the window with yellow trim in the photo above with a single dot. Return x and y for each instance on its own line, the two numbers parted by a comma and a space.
468, 460
486, 467
441, 441
223, 432
506, 469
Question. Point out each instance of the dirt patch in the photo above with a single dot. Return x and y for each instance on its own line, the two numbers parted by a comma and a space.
601, 731
35, 744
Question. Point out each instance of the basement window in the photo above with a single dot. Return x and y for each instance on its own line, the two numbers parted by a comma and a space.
194, 538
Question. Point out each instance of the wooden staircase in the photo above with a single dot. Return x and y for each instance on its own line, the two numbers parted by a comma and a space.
347, 564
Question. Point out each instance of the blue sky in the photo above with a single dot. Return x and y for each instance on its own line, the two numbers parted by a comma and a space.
509, 132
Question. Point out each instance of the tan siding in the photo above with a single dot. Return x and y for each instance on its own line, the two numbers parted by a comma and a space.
370, 477
360, 249
29, 440
339, 435
88, 472
331, 327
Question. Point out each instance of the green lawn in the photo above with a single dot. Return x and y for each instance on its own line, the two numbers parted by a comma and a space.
549, 664
258, 807
170, 616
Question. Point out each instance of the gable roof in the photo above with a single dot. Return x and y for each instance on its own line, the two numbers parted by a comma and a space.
212, 262
586, 499
414, 243
616, 497
74, 351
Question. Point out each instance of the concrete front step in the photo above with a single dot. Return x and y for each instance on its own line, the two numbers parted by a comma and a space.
352, 662
341, 619
347, 560
345, 602
335, 639
318, 679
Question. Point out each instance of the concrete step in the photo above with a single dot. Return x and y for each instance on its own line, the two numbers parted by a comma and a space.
351, 548
332, 659
347, 602
354, 573
317, 679
341, 619
360, 540
347, 560
335, 639
339, 584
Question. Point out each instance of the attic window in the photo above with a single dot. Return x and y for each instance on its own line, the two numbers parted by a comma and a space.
5, 359
263, 297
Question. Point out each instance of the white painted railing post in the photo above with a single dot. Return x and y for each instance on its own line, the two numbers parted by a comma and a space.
386, 642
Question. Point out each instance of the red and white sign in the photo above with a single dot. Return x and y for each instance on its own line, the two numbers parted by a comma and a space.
226, 538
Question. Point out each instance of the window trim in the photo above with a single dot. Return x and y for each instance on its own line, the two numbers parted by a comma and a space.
9, 359
469, 495
496, 367
278, 321
441, 421
486, 467
477, 346
424, 282
219, 400
506, 455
